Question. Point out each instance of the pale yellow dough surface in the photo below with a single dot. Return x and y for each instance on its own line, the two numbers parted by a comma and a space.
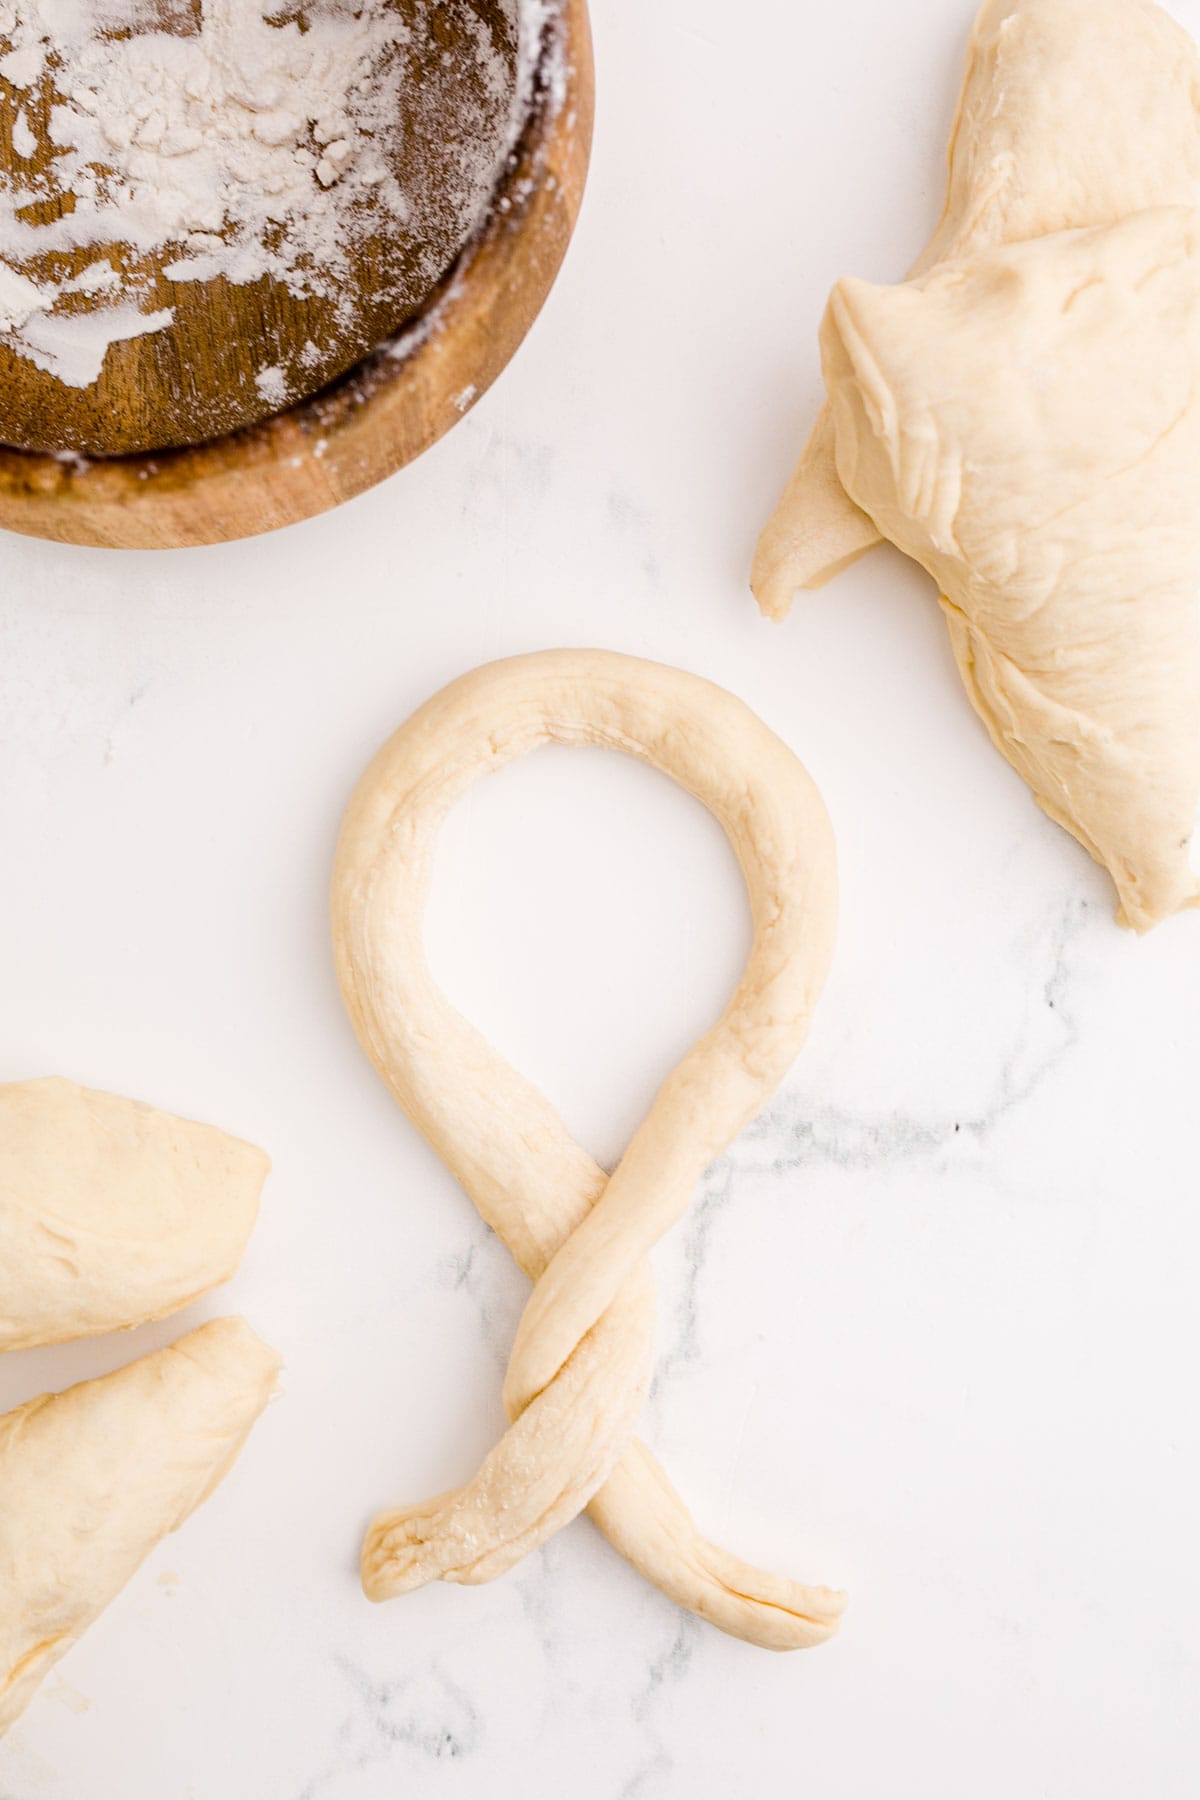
112, 1213
93, 1478
584, 1350
1068, 556
1072, 113
1021, 418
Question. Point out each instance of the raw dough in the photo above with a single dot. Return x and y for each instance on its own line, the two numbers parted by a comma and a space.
1072, 113
92, 1479
112, 1213
584, 1350
1021, 417
1027, 426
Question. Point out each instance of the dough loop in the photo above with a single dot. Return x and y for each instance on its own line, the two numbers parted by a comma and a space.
584, 1349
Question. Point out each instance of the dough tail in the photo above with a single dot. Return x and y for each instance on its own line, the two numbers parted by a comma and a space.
643, 1518
815, 532
541, 1474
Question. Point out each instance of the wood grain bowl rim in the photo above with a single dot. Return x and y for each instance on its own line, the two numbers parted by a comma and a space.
387, 409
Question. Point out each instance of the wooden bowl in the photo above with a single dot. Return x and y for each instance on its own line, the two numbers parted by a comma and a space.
385, 411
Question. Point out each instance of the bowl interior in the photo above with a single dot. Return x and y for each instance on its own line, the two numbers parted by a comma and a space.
291, 292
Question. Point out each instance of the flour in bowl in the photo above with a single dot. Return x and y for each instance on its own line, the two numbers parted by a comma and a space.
219, 138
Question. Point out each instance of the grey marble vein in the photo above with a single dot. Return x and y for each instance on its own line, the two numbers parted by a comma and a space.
484, 1272
804, 1136
794, 1135
423, 1713
715, 1194
655, 1768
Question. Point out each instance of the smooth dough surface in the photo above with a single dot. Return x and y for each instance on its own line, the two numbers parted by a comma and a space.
93, 1478
584, 1350
1072, 113
112, 1213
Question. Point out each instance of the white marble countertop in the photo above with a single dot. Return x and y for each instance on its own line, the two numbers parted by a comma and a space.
930, 1332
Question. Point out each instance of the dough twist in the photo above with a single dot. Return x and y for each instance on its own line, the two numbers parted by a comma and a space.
584, 1349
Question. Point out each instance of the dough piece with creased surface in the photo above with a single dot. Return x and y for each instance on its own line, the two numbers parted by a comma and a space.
112, 1213
1026, 425
93, 1478
1072, 113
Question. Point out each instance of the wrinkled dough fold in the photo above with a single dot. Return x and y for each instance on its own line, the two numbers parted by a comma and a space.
1072, 113
1026, 425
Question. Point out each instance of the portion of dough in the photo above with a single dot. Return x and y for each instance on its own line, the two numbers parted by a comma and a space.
1073, 113
92, 1479
583, 1354
1027, 426
112, 1213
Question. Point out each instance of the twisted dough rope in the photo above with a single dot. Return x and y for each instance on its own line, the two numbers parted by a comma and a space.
583, 1353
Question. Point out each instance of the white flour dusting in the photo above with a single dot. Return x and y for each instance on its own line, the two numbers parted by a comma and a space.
245, 149
272, 384
73, 345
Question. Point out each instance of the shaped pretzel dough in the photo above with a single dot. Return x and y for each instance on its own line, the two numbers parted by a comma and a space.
92, 1479
583, 1353
1072, 113
112, 1213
